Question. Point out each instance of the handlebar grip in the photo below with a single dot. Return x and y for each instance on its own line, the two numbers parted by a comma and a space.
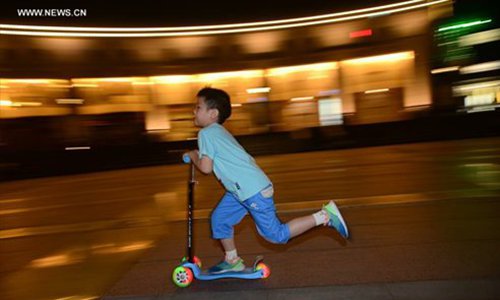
185, 158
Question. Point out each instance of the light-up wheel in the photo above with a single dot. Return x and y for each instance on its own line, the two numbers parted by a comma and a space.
182, 276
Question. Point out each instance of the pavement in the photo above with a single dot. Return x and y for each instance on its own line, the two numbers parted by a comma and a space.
422, 216
436, 289
441, 249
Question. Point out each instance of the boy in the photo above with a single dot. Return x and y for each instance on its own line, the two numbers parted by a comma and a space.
248, 189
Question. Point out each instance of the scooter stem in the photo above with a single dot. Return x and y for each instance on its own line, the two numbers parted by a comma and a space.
190, 209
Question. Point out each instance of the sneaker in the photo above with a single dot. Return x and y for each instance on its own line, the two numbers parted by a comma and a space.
335, 219
225, 266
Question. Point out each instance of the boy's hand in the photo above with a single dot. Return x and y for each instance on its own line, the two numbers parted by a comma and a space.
194, 155
205, 164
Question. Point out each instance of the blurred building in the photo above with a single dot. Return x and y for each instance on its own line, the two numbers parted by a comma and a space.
466, 59
75, 86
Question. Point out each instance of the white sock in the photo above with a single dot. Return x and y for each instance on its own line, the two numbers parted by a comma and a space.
231, 256
321, 217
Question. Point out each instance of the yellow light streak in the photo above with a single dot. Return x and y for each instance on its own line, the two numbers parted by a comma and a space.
302, 98
235, 74
376, 91
302, 68
173, 79
445, 70
381, 58
259, 90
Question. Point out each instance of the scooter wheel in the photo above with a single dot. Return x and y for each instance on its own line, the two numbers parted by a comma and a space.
197, 261
266, 271
182, 276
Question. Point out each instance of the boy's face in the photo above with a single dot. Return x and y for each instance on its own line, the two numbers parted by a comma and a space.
203, 116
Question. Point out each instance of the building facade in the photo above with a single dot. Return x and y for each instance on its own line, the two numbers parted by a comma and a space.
350, 67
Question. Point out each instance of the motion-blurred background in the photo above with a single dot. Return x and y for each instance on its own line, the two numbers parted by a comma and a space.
391, 108
115, 87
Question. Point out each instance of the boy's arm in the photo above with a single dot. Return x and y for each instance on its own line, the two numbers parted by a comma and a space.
205, 164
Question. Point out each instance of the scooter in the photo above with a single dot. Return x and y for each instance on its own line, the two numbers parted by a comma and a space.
190, 267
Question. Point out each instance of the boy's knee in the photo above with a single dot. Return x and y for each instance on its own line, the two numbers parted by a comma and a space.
218, 222
277, 239
217, 217
214, 221
220, 230
222, 225
279, 236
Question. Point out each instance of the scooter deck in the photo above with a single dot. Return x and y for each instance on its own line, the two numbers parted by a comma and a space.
247, 273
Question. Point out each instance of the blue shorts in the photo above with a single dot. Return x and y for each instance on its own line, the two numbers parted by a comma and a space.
230, 211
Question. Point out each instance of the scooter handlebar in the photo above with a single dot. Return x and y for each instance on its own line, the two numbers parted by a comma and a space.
186, 159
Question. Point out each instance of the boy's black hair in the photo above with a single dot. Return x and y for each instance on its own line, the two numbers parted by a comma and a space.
218, 99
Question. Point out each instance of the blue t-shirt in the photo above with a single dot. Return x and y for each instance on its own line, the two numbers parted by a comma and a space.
232, 165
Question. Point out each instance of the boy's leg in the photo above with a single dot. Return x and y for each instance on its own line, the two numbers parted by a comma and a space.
269, 226
230, 250
261, 207
225, 216
228, 244
300, 225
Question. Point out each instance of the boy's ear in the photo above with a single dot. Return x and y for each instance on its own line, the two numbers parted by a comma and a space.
214, 113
